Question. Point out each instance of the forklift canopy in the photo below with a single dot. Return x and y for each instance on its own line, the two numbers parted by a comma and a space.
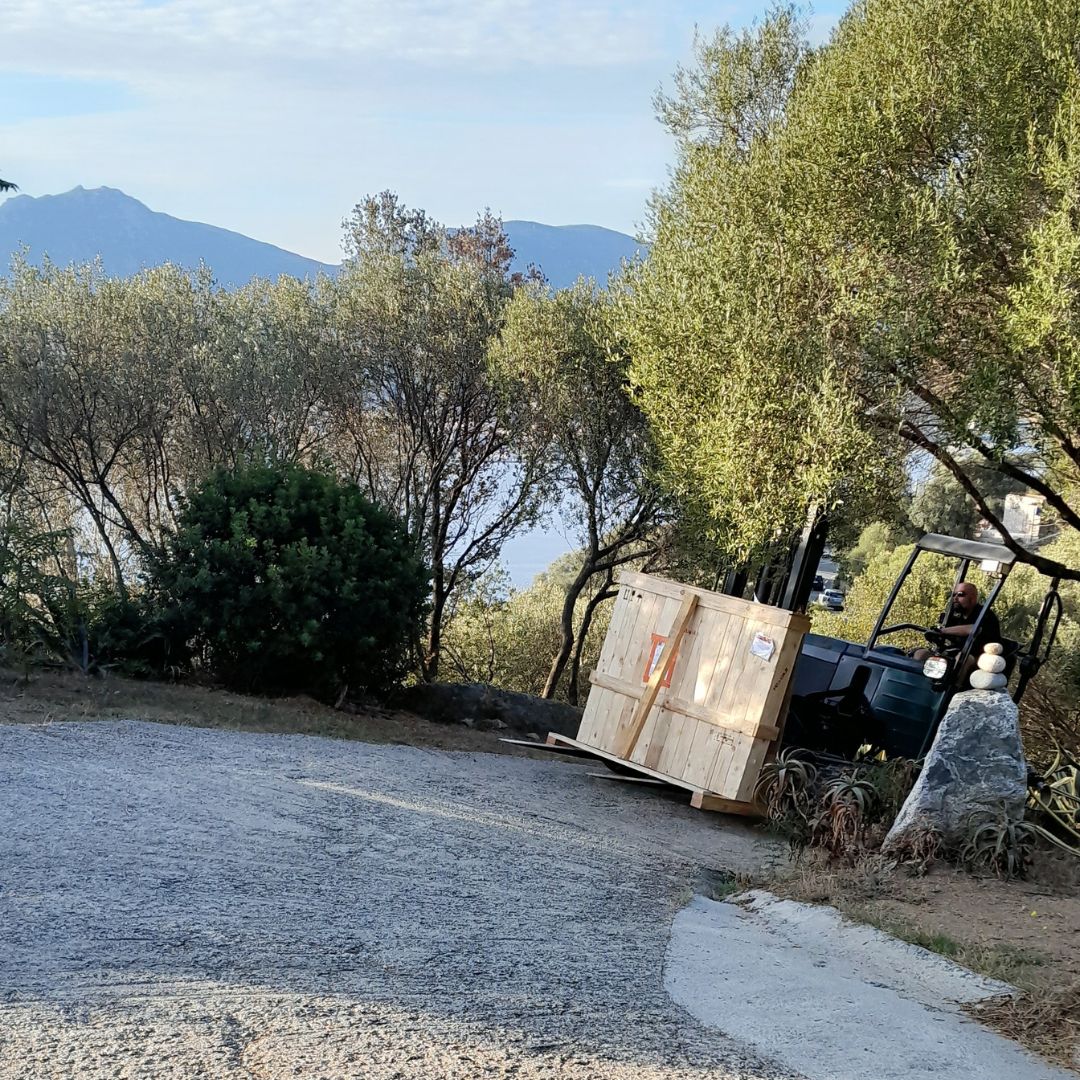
966, 549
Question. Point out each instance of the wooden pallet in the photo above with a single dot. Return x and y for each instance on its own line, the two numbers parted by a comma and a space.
700, 800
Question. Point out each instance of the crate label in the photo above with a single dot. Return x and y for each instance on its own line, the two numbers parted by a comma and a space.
656, 659
763, 646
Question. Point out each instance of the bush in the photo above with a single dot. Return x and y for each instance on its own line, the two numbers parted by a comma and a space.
508, 637
286, 580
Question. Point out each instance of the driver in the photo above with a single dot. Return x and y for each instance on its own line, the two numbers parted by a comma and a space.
958, 621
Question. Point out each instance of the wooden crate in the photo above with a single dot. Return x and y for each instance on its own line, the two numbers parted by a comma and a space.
692, 687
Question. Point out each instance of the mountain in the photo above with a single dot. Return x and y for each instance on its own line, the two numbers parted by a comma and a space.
83, 224
566, 252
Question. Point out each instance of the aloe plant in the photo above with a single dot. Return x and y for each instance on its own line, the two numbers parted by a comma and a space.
846, 804
785, 783
1003, 845
1054, 798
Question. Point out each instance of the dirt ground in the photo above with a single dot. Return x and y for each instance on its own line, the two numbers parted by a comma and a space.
45, 697
1026, 933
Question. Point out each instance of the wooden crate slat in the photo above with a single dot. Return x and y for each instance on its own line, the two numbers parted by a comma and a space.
671, 651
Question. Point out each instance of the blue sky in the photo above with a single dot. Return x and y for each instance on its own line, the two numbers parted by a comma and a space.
273, 117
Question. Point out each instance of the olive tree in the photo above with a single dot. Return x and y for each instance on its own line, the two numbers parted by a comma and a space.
421, 419
867, 249
563, 351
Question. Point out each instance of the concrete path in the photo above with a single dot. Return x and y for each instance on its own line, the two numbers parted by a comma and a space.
835, 1000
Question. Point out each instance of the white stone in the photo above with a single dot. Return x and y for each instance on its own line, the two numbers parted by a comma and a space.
994, 648
988, 680
990, 662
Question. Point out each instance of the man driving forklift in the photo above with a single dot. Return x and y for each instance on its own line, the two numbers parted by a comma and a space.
956, 624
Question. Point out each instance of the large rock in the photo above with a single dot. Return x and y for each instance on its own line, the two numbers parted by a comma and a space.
975, 769
490, 708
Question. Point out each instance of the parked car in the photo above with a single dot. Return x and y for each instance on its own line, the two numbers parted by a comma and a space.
833, 599
819, 583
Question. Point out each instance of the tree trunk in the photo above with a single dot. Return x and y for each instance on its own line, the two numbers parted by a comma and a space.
430, 662
566, 624
601, 595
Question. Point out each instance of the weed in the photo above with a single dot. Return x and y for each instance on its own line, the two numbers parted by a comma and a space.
918, 849
845, 806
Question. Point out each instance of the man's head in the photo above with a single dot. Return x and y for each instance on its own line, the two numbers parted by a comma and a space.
965, 597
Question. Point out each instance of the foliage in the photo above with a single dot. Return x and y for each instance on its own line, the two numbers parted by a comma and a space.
1002, 845
1054, 802
419, 416
941, 505
786, 792
876, 539
563, 351
754, 419
870, 241
285, 579
507, 637
846, 810
919, 849
117, 395
845, 805
37, 611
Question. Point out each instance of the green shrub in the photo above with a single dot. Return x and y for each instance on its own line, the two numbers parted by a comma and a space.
286, 580
507, 637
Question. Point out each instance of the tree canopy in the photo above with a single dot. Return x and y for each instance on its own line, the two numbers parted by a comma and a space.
868, 248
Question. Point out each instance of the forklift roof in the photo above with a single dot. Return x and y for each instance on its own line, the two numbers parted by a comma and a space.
967, 549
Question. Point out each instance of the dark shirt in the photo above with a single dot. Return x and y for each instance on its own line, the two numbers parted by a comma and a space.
988, 632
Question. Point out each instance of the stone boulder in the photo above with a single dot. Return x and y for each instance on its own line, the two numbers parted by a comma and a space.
975, 769
487, 708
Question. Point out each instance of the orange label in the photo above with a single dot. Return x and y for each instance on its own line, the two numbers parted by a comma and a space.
657, 658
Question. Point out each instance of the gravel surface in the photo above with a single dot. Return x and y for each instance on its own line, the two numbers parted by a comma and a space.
186, 903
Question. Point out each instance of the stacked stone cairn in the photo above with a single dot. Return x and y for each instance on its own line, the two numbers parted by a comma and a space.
990, 673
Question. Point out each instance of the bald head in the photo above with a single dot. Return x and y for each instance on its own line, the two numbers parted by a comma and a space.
965, 597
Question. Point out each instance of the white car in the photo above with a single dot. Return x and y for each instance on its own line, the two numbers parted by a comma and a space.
833, 599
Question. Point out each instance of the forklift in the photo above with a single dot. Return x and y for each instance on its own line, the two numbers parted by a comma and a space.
847, 695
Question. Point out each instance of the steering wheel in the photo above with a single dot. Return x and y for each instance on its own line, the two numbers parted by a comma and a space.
906, 626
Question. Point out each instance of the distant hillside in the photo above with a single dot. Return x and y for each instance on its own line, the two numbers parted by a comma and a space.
127, 236
81, 225
567, 252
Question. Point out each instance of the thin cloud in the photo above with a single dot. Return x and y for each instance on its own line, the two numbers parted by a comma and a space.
107, 36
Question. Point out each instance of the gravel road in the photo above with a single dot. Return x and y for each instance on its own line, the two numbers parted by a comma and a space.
177, 902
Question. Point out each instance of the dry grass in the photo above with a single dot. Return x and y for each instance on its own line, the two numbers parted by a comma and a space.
1045, 1020
47, 697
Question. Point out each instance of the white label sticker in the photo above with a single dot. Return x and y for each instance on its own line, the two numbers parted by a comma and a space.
763, 646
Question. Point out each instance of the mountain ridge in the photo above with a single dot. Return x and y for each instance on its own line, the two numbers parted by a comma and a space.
84, 224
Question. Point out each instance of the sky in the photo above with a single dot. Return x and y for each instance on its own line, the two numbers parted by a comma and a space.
274, 117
